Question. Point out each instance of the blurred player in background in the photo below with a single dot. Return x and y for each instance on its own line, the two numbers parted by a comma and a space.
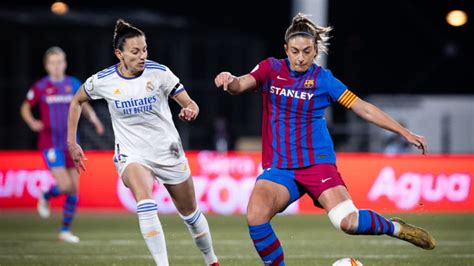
147, 143
52, 94
298, 153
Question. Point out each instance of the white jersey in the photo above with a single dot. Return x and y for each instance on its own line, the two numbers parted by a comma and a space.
140, 113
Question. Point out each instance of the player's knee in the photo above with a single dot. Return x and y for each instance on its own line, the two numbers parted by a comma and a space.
349, 223
142, 193
258, 214
72, 189
186, 210
69, 188
344, 216
64, 187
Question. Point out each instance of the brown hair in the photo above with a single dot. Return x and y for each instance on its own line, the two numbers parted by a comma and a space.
301, 25
123, 31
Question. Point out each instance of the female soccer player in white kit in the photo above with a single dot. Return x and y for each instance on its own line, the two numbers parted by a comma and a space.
147, 144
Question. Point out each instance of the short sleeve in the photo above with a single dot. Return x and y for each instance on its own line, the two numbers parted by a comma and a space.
171, 85
91, 87
337, 90
76, 85
33, 95
261, 72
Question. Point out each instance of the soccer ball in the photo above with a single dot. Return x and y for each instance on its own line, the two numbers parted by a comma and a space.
347, 262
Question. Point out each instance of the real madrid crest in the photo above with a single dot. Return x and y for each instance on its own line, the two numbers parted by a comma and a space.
150, 86
89, 85
309, 83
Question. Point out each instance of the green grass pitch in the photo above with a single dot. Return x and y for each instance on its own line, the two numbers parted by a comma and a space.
114, 239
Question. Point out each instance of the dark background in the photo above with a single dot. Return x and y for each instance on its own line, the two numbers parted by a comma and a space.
378, 47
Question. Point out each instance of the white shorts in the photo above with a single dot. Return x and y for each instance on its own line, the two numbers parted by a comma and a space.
165, 174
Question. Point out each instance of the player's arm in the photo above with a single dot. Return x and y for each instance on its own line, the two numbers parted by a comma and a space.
189, 108
75, 110
235, 85
374, 115
91, 115
35, 124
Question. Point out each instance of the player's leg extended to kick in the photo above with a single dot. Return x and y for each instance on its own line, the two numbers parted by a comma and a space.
267, 199
140, 181
346, 217
184, 199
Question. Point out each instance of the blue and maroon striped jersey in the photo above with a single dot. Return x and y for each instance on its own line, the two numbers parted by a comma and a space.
294, 130
53, 99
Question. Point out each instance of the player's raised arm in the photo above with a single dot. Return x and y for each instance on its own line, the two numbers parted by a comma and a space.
373, 114
235, 85
75, 110
189, 108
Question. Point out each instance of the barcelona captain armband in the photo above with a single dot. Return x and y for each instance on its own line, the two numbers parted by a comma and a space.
347, 99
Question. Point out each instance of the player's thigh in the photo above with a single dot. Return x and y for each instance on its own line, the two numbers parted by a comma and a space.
139, 179
267, 199
183, 196
56, 162
275, 189
323, 183
331, 197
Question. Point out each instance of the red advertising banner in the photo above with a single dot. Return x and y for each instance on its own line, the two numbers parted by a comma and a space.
223, 182
407, 183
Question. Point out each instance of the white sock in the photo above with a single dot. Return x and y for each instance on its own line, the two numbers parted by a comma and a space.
199, 229
152, 231
396, 228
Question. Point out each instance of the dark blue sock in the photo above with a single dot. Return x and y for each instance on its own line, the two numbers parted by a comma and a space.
52, 192
267, 244
372, 223
69, 212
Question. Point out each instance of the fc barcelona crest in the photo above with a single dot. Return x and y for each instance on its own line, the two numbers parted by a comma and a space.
68, 89
309, 83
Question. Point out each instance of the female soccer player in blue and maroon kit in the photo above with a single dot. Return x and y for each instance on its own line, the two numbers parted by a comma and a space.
53, 94
297, 150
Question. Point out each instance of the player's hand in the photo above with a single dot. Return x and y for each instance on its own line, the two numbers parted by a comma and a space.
36, 125
418, 141
77, 156
187, 114
224, 79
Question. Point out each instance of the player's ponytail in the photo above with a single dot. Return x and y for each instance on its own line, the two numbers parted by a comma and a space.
301, 25
123, 31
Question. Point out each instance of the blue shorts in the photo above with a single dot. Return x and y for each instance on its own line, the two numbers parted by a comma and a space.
57, 158
313, 180
286, 178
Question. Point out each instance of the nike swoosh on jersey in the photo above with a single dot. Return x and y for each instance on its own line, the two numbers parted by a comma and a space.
280, 78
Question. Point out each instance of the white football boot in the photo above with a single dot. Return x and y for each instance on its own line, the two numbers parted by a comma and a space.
68, 237
43, 206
